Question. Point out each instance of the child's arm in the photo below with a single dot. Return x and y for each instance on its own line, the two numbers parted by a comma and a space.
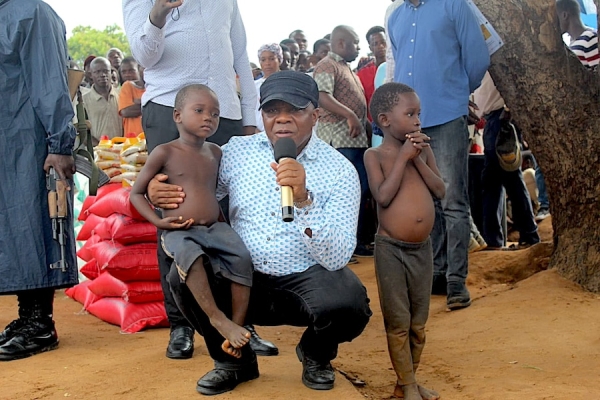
385, 189
153, 165
127, 105
429, 172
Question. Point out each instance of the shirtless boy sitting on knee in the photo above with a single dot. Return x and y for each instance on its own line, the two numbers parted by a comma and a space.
403, 176
194, 232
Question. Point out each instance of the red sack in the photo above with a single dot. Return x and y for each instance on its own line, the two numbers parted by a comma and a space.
90, 224
106, 189
137, 262
85, 212
130, 317
126, 230
144, 292
117, 201
82, 294
85, 252
90, 270
107, 285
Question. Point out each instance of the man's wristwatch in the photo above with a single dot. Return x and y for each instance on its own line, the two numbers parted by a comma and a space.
305, 203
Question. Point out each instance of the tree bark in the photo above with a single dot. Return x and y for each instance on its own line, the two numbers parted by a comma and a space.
556, 102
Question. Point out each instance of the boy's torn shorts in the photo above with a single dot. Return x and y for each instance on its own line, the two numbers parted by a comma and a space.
219, 243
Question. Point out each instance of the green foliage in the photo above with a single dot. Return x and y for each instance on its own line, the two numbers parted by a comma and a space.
85, 41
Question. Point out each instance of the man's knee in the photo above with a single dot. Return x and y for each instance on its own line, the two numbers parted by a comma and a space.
350, 309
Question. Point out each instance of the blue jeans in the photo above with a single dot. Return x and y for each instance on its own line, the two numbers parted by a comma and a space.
356, 156
451, 230
541, 186
494, 178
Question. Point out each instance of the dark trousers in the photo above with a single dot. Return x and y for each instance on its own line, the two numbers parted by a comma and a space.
356, 157
333, 305
159, 127
494, 178
404, 273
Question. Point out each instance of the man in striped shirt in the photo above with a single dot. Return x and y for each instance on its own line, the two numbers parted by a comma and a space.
584, 40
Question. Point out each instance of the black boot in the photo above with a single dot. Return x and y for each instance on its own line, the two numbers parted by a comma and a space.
36, 333
25, 305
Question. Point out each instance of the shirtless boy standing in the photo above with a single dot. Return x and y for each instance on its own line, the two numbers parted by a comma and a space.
403, 176
194, 233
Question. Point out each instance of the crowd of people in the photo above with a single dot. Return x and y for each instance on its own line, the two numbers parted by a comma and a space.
213, 123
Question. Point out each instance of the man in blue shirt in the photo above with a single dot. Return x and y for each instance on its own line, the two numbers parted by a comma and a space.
439, 50
300, 277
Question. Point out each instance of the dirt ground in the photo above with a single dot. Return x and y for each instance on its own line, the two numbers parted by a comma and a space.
528, 335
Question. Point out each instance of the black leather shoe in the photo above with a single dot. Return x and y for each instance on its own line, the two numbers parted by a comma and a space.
261, 346
33, 337
315, 375
220, 381
181, 343
10, 331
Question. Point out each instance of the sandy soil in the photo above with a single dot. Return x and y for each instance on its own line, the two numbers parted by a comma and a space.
528, 335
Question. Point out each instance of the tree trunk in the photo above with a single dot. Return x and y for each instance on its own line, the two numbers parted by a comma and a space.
556, 102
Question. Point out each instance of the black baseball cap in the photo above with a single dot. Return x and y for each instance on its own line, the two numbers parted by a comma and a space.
295, 88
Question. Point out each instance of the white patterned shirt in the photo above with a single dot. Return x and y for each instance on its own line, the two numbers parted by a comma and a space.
203, 41
281, 248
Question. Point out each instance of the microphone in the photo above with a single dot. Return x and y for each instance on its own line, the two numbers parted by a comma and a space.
286, 148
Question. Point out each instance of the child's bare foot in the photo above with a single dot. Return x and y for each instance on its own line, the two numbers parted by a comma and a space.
426, 394
235, 336
410, 392
229, 349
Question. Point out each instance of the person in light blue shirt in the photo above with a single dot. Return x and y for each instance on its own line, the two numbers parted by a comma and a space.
439, 50
300, 277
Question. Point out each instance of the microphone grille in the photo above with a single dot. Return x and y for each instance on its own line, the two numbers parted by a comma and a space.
284, 148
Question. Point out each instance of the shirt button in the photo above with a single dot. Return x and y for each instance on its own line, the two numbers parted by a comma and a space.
409, 56
268, 239
411, 40
272, 214
414, 24
277, 189
410, 73
264, 263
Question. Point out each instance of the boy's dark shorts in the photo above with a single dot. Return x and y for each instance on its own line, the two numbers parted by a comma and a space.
219, 243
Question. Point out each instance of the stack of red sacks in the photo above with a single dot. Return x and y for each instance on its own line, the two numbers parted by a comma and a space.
121, 264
